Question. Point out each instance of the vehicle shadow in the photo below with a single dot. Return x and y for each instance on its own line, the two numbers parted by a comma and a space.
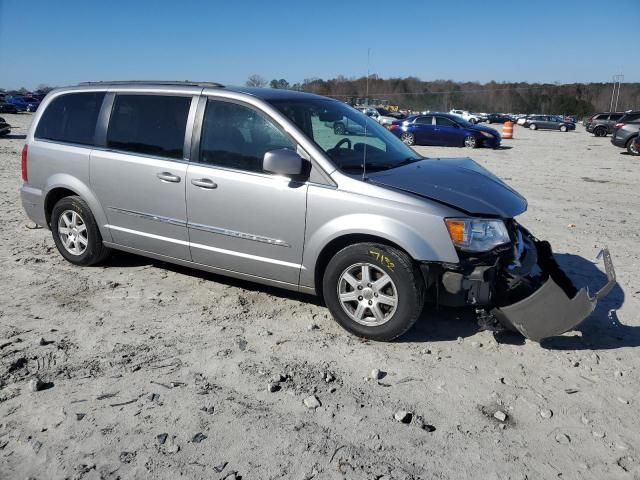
120, 259
14, 137
601, 330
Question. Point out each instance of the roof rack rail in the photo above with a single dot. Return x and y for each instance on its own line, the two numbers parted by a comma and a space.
186, 83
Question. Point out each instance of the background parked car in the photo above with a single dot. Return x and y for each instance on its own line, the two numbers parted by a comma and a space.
548, 122
465, 115
5, 128
379, 114
602, 123
446, 130
625, 132
345, 127
8, 108
498, 118
23, 104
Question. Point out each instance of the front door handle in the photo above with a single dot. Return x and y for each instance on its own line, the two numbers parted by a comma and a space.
168, 177
204, 183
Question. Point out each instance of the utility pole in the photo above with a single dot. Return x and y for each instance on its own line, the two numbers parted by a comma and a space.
617, 81
620, 79
367, 87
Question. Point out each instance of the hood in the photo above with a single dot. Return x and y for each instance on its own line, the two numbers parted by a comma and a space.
482, 128
457, 182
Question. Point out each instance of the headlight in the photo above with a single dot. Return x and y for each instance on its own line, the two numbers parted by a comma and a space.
486, 134
477, 234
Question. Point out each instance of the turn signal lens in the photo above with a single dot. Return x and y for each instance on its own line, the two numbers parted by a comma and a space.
456, 230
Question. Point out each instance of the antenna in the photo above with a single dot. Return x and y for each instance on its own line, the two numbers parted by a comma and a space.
364, 155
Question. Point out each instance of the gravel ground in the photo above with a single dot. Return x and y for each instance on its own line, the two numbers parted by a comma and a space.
149, 370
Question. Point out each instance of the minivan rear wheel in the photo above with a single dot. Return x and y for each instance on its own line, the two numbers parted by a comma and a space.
75, 232
373, 291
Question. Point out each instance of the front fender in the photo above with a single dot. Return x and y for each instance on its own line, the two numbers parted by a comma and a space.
63, 180
433, 244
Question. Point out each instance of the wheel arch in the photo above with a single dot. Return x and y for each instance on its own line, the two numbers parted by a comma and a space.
432, 245
337, 244
63, 185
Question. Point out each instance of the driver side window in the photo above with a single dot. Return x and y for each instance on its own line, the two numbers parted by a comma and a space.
236, 136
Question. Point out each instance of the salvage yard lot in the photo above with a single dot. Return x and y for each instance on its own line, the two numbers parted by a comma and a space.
156, 371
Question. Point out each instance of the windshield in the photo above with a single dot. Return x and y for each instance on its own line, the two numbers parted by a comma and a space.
346, 135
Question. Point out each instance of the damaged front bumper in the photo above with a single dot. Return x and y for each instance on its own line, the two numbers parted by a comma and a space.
526, 291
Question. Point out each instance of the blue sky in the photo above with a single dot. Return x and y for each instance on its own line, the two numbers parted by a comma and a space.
61, 42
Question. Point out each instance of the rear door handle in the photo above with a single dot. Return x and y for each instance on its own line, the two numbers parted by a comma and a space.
204, 183
168, 177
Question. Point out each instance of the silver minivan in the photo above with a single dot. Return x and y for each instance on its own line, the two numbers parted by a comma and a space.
258, 184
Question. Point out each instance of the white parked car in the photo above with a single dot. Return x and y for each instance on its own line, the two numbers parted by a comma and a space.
379, 114
466, 115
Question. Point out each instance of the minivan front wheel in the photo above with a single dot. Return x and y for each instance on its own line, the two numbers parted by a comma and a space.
75, 232
373, 291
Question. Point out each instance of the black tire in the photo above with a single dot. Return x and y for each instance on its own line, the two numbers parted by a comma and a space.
600, 132
407, 282
564, 128
631, 148
338, 129
408, 138
533, 126
94, 251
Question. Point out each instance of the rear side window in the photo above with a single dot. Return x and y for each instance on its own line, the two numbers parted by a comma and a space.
444, 122
149, 124
601, 116
71, 118
615, 116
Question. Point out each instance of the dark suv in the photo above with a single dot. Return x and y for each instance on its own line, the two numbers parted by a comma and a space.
602, 124
626, 131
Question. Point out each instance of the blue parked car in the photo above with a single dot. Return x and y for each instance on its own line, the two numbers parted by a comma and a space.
444, 129
23, 104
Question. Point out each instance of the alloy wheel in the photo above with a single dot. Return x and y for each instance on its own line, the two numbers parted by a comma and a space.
72, 230
408, 138
367, 294
470, 142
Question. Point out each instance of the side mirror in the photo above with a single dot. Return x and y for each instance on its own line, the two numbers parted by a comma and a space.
282, 162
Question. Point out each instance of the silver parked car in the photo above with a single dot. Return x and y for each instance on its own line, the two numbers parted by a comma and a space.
259, 184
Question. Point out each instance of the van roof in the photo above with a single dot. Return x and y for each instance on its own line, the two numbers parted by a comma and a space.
263, 93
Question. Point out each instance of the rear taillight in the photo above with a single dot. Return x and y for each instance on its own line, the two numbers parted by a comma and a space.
618, 125
23, 165
393, 126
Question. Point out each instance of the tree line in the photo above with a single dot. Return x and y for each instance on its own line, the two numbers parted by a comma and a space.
509, 97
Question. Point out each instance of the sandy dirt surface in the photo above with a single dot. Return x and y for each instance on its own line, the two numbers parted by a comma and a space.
155, 371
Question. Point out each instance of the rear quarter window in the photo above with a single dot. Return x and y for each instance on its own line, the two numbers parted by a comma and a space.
71, 118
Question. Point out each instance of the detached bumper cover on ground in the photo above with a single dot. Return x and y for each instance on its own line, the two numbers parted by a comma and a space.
556, 307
